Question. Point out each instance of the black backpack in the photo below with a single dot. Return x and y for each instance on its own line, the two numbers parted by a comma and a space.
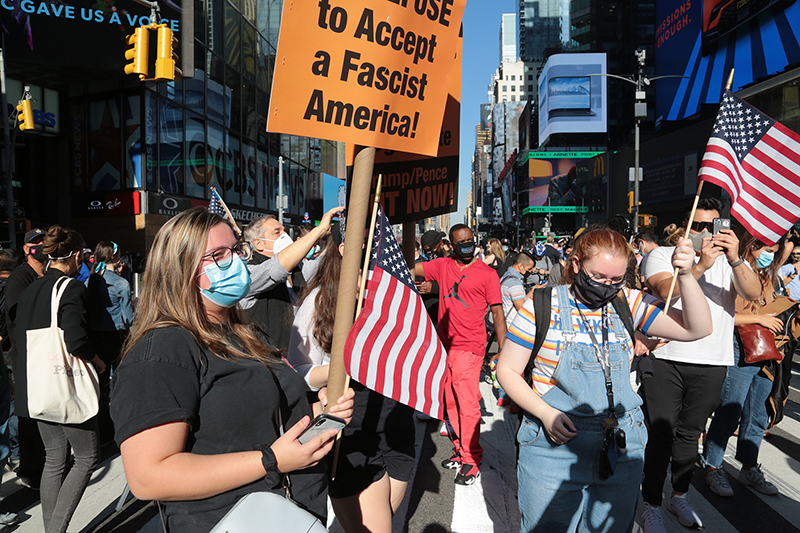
541, 311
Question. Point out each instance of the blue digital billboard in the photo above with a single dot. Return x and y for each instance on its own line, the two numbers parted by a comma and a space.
704, 39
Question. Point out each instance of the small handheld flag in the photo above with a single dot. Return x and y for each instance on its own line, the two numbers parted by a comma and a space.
218, 207
392, 347
757, 160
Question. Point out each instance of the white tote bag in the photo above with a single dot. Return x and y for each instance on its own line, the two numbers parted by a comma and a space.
62, 388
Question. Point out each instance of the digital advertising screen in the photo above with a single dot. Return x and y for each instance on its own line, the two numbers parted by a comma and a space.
555, 175
572, 95
703, 40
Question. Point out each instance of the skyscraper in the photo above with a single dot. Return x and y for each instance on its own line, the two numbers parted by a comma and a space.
543, 24
508, 38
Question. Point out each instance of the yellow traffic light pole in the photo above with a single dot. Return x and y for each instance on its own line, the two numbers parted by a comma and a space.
165, 68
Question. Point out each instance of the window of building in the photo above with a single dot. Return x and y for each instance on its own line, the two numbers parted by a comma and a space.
513, 88
505, 88
530, 88
513, 77
522, 88
513, 98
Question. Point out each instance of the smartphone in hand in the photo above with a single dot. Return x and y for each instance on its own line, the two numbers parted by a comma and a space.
321, 424
721, 224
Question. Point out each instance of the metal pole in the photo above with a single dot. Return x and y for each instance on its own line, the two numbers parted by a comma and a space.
9, 150
635, 209
280, 189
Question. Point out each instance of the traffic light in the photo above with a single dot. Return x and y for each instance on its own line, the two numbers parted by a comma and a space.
166, 57
138, 53
649, 221
25, 115
630, 202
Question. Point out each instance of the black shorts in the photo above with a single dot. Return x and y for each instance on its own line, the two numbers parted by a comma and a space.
379, 440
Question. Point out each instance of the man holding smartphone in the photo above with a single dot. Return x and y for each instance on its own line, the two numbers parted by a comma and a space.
688, 376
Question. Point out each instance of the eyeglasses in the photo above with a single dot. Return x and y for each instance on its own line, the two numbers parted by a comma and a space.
606, 281
223, 257
700, 226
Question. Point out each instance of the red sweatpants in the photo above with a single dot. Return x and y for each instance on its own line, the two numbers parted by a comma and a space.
463, 396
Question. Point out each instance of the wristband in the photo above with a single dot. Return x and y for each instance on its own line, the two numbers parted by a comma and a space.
736, 263
273, 477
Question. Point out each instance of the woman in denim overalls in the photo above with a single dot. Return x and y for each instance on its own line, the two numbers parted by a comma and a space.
564, 480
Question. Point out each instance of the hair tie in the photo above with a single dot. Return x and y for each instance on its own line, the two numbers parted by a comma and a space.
100, 268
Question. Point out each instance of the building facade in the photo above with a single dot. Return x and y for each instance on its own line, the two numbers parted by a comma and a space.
138, 152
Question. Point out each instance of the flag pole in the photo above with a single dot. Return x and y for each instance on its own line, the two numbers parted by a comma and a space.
376, 203
348, 282
227, 211
360, 304
691, 216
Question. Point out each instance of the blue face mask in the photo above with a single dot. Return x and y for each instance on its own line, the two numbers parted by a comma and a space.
765, 259
228, 285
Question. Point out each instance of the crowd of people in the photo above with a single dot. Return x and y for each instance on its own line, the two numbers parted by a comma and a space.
206, 377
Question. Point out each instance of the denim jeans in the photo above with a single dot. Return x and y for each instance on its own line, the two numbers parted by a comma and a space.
744, 397
60, 495
5, 414
559, 486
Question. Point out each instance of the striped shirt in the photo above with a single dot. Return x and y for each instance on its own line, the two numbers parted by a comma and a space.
523, 332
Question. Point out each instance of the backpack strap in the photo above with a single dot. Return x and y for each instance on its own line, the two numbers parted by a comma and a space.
541, 311
622, 308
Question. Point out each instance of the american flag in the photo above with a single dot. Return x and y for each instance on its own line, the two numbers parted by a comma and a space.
218, 207
757, 160
393, 348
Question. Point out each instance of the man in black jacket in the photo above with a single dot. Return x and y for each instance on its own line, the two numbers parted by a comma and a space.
31, 449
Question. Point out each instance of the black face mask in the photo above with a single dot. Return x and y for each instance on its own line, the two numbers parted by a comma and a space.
37, 253
465, 250
593, 293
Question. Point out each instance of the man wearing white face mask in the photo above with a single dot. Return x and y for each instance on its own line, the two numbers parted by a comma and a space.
688, 376
269, 303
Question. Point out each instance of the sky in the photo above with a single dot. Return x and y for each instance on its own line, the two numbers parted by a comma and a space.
481, 59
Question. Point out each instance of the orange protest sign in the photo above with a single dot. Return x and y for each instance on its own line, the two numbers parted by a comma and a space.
414, 186
368, 72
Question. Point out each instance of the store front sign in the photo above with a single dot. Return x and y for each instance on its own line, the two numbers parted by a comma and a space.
105, 204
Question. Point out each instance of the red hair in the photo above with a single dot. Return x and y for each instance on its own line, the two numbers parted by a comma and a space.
594, 243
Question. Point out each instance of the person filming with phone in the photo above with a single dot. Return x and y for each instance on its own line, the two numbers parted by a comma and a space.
688, 376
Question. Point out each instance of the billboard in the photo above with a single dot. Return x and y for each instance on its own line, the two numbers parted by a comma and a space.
704, 39
572, 97
560, 177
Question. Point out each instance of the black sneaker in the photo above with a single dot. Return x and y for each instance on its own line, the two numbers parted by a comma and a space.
453, 462
467, 475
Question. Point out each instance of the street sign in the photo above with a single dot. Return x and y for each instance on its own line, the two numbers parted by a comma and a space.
557, 209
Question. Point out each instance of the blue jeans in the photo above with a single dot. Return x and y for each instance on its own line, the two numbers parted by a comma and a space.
744, 396
559, 486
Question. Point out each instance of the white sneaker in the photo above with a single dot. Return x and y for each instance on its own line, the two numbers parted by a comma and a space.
755, 478
717, 481
652, 522
682, 508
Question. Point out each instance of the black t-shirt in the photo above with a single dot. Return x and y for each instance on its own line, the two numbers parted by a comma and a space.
230, 406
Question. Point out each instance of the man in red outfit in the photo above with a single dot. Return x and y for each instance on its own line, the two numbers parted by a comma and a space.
467, 288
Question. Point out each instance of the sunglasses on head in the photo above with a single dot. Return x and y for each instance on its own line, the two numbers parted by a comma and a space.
700, 226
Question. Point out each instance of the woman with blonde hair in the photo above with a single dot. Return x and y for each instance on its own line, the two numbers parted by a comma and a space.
582, 438
496, 257
205, 412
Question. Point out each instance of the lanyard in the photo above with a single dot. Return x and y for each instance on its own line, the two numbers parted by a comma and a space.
603, 355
